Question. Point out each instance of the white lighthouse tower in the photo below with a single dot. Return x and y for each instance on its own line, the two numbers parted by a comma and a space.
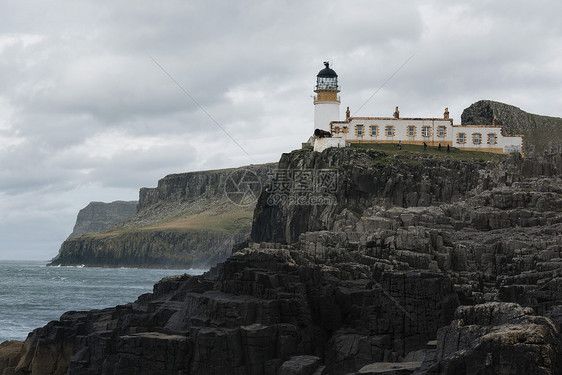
326, 100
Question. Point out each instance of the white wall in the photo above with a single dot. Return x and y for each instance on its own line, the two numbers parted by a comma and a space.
503, 143
320, 144
400, 129
324, 113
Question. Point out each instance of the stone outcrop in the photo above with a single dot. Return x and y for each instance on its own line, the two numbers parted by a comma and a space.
10, 353
99, 216
408, 250
542, 133
369, 182
367, 179
496, 338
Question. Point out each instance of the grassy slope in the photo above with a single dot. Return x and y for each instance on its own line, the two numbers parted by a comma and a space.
407, 149
224, 217
233, 220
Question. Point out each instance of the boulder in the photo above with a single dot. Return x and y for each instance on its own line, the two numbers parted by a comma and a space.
496, 338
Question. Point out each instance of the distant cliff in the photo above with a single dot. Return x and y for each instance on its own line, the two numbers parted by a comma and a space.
152, 248
189, 220
99, 216
542, 133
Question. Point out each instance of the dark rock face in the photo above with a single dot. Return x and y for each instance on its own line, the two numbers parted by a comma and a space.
10, 353
542, 133
177, 190
415, 249
364, 179
175, 187
98, 216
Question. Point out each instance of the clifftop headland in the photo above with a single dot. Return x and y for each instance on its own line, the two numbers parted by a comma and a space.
424, 263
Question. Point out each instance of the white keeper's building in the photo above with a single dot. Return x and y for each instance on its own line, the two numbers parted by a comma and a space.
431, 131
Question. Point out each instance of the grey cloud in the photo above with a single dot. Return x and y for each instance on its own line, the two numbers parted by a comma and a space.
87, 82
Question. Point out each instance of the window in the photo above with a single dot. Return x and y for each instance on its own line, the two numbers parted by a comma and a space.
389, 130
327, 83
374, 130
359, 130
461, 138
426, 131
442, 131
411, 131
492, 139
477, 138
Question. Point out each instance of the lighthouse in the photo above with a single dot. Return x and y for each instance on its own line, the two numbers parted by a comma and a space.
326, 100
436, 132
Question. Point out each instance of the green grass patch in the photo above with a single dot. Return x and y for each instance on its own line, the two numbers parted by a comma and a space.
222, 218
231, 221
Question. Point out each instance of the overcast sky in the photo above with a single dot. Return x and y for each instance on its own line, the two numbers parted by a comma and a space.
86, 113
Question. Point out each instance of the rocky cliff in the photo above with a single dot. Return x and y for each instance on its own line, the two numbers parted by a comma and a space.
99, 216
542, 133
362, 181
188, 220
409, 263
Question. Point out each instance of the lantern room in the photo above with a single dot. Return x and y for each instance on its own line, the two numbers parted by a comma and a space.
327, 79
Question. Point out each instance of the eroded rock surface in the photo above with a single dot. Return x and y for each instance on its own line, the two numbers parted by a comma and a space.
496, 338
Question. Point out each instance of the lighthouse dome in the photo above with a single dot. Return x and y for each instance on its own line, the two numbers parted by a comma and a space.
327, 72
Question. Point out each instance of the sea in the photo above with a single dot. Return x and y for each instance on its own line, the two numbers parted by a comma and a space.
32, 294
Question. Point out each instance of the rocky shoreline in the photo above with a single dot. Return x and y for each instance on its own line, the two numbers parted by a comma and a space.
423, 265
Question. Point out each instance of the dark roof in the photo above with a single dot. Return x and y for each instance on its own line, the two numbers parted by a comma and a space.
327, 72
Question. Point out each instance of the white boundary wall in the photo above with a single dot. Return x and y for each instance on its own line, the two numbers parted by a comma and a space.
320, 144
